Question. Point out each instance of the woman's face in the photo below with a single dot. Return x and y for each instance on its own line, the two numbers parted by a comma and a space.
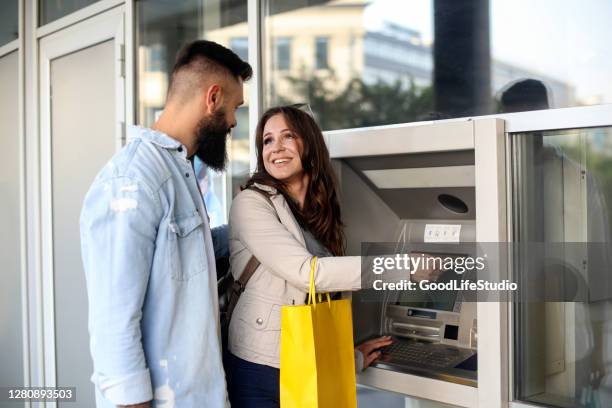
282, 150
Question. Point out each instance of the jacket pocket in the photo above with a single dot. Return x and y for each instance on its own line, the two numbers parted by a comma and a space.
186, 247
256, 327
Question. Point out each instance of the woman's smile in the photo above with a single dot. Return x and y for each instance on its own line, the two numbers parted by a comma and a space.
282, 162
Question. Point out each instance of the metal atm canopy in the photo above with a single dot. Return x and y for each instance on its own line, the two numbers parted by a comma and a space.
419, 171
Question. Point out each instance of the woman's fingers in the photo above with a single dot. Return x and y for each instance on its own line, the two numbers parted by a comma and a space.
370, 358
370, 351
383, 340
378, 343
378, 340
371, 345
365, 348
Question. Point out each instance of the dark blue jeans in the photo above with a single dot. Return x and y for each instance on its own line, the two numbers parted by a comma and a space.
251, 385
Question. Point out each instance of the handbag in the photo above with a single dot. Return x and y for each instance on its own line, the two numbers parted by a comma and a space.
317, 366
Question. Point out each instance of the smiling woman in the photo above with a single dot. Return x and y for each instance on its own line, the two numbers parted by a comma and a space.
293, 158
301, 220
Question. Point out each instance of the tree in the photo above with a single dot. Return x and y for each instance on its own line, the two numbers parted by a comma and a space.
359, 104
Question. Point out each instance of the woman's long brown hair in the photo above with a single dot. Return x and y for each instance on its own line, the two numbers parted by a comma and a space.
321, 212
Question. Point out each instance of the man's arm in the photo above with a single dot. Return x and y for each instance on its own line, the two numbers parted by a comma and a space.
119, 224
220, 237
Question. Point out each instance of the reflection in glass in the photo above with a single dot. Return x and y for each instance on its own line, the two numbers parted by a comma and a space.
52, 10
9, 21
240, 45
162, 28
321, 59
563, 193
283, 53
363, 63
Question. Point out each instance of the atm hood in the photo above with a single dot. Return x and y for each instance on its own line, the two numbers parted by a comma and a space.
419, 175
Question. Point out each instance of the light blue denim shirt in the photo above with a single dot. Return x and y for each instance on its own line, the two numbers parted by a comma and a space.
149, 261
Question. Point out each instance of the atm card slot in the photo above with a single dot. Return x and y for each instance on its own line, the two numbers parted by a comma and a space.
416, 331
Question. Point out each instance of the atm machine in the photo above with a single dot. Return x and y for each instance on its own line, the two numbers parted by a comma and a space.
417, 183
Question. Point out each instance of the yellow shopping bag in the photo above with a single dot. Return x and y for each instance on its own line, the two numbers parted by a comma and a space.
317, 366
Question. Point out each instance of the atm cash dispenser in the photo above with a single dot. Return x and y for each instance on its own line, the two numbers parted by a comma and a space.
418, 183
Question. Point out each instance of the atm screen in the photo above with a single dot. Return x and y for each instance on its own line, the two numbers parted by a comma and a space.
443, 300
425, 299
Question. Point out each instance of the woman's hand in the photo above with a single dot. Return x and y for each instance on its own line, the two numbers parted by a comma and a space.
426, 271
370, 349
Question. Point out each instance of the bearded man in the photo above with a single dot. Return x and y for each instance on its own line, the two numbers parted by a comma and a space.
148, 250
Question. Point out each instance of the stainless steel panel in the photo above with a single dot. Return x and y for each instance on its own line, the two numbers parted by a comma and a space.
401, 139
388, 215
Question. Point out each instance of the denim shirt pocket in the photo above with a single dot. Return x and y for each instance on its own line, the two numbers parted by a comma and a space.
186, 247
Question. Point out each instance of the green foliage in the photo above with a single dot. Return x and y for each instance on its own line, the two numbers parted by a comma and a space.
359, 104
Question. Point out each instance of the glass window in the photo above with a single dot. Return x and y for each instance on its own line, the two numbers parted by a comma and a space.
404, 61
162, 28
11, 165
240, 46
283, 53
52, 10
321, 53
9, 21
563, 194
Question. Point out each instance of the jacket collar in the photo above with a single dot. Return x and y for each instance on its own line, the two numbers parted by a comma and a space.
153, 136
286, 216
266, 188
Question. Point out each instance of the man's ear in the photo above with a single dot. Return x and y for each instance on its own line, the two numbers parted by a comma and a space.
214, 98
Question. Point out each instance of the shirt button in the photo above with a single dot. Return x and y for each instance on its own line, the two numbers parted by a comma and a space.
186, 174
180, 148
259, 321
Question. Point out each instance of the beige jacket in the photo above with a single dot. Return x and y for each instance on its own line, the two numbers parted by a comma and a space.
283, 276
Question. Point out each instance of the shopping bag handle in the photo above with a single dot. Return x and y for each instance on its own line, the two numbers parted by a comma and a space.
312, 292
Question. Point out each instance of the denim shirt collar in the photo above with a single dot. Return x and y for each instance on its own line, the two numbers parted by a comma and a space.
154, 136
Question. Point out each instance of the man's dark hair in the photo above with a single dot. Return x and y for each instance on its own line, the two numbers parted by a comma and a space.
200, 59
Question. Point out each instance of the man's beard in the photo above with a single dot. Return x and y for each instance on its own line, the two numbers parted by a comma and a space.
211, 139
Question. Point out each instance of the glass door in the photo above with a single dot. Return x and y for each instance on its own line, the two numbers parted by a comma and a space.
81, 62
561, 200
